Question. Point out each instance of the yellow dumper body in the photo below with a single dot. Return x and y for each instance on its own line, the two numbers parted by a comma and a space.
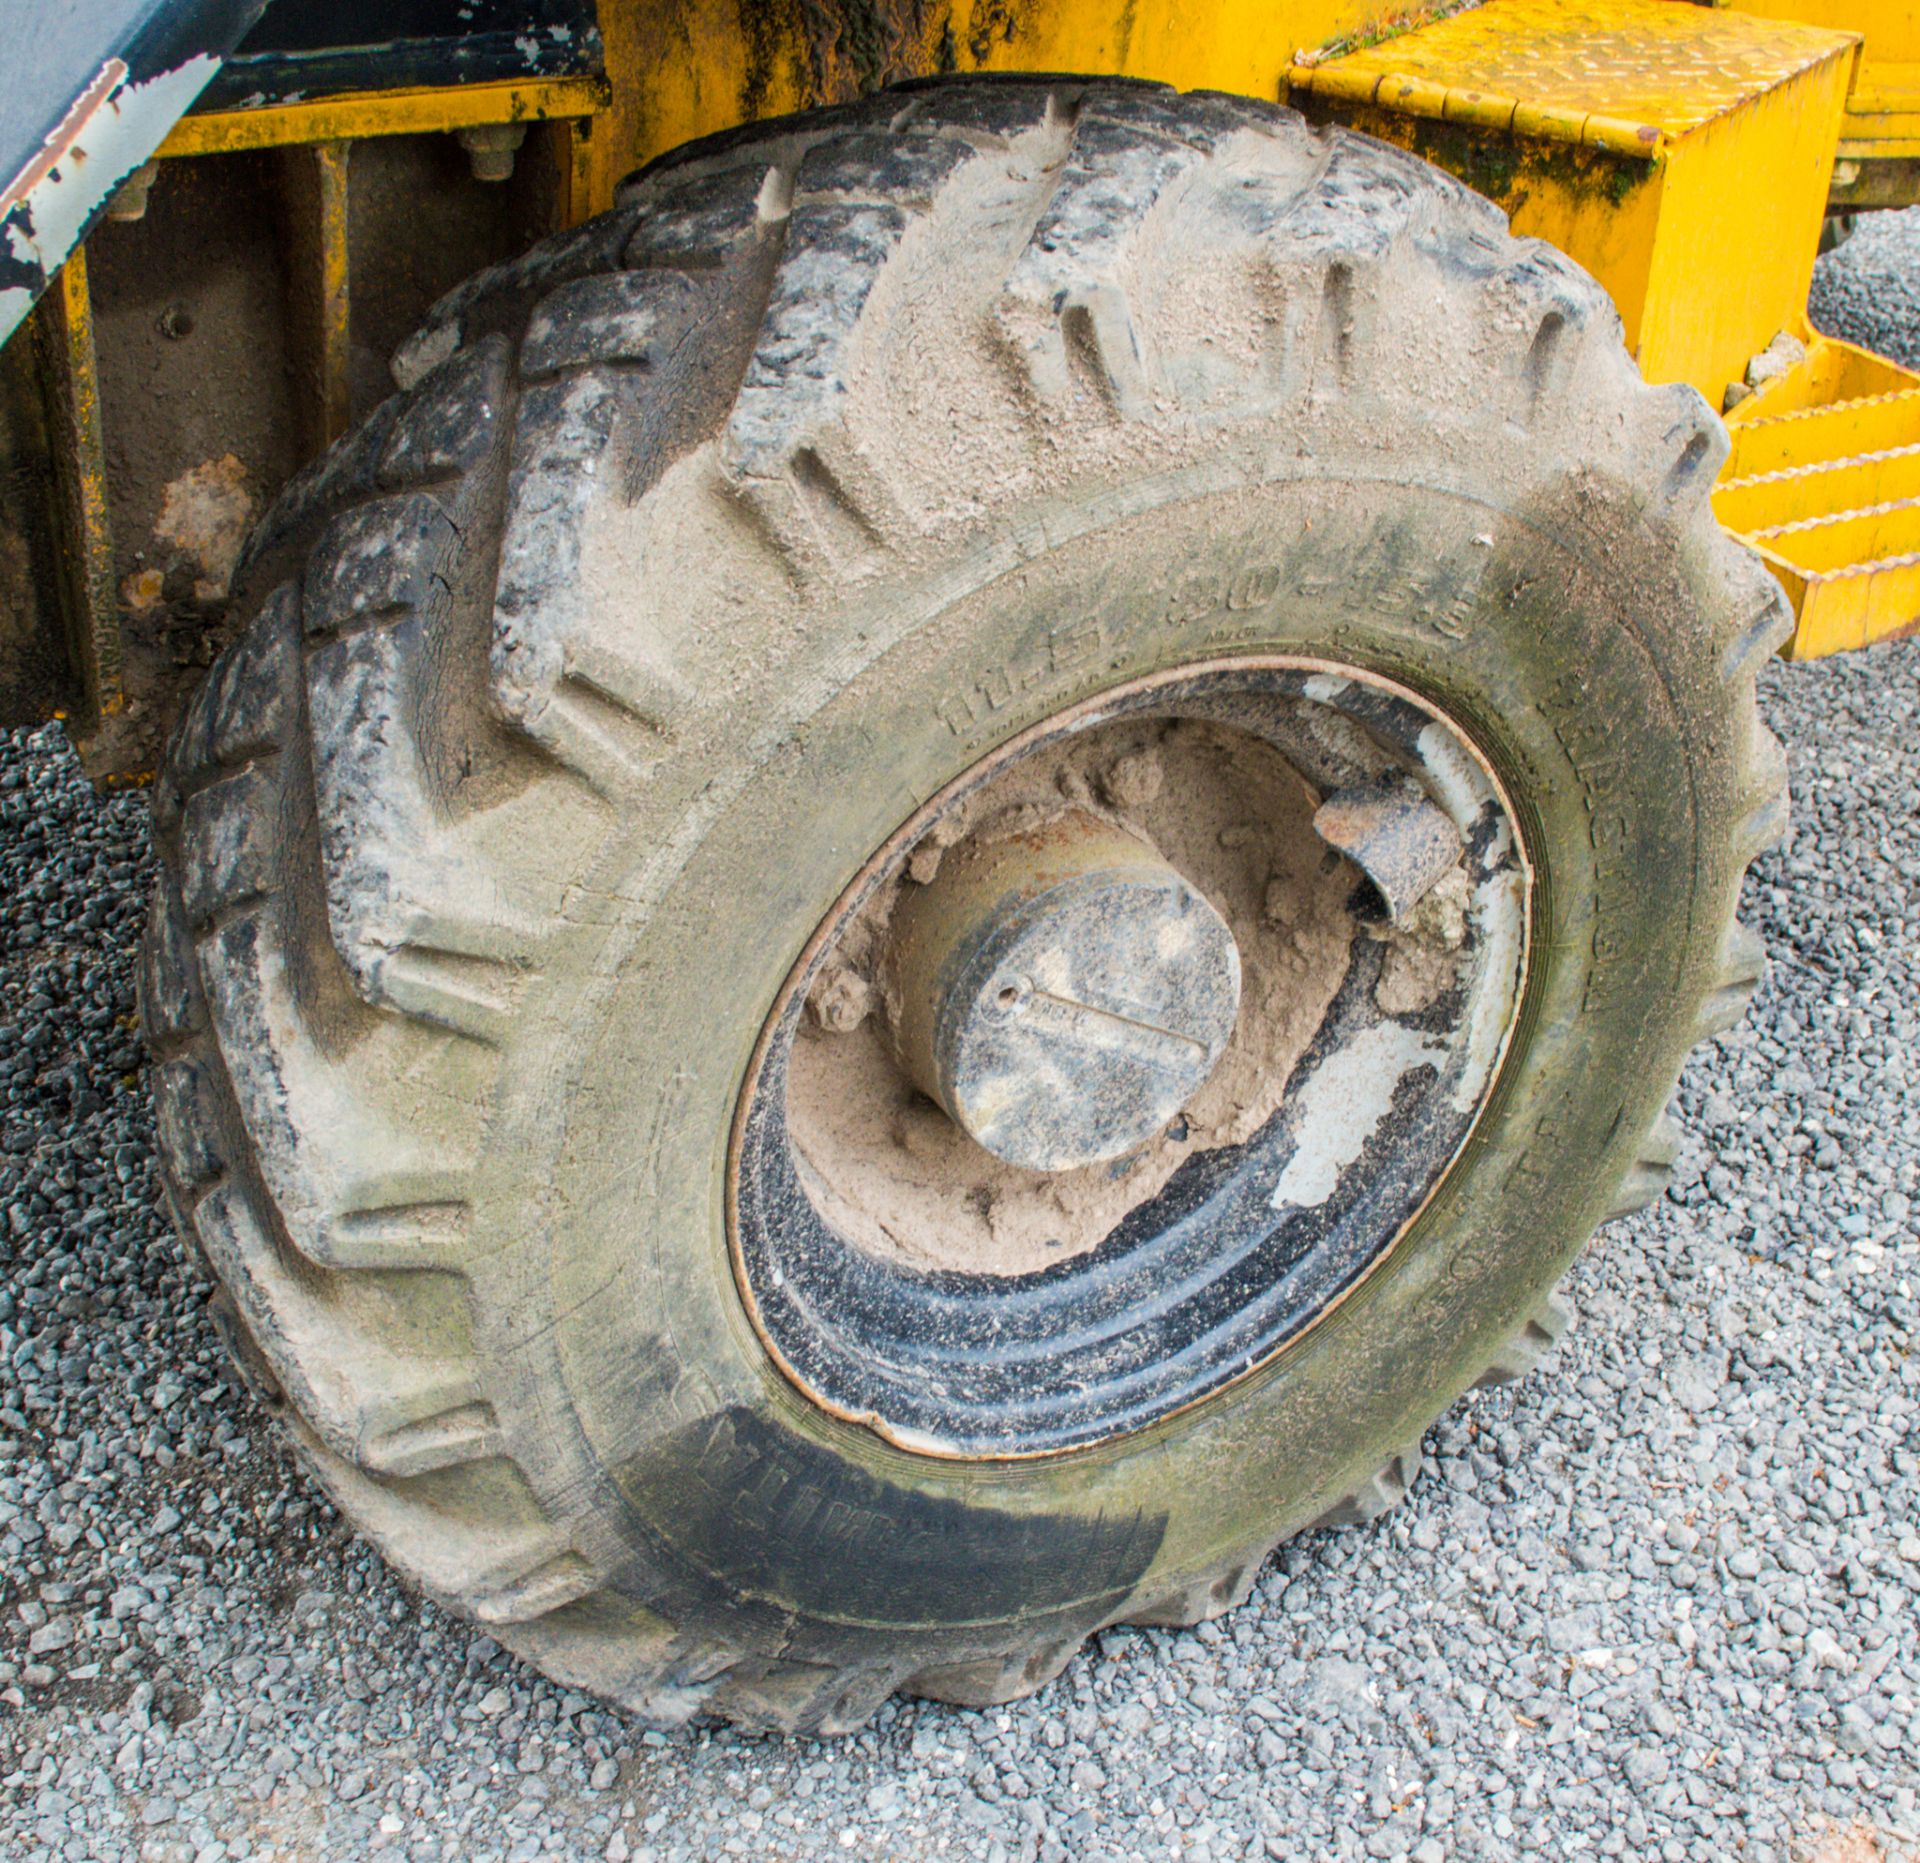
1688, 155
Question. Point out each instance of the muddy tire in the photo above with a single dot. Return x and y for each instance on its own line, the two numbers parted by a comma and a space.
704, 545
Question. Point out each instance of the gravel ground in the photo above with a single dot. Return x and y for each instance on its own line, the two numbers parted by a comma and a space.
1868, 291
1659, 1601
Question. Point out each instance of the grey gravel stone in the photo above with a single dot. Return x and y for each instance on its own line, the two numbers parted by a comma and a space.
1659, 1602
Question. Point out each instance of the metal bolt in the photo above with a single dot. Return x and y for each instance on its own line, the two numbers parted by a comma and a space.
1061, 992
491, 148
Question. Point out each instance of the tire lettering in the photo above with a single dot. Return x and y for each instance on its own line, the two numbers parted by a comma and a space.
1065, 649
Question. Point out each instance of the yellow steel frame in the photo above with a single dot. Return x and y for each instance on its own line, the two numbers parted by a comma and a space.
386, 113
63, 327
571, 104
1692, 185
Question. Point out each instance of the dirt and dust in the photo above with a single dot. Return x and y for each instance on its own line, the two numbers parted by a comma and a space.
1423, 953
203, 518
895, 1176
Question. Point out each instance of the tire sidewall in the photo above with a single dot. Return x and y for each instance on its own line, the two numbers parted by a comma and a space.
1559, 624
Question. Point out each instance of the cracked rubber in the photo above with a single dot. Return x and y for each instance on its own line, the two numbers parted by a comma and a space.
701, 544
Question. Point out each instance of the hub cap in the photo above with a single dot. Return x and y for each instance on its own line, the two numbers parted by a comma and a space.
1061, 991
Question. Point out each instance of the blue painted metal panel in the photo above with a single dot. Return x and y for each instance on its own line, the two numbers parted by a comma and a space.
89, 91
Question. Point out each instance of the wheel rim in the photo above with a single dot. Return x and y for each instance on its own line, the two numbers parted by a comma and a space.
902, 1278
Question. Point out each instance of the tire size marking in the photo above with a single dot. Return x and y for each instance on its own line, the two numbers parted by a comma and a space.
1405, 583
1065, 649
1541, 1155
1602, 769
765, 1495
1440, 593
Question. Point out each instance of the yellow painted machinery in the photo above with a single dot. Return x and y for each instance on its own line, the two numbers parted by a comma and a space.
1689, 156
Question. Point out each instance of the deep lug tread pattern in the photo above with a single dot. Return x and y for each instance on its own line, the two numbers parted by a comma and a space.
242, 1347
419, 1237
632, 317
1764, 824
1743, 964
493, 294
702, 225
1765, 618
171, 1006
535, 1588
603, 722
993, 1680
376, 562
1528, 1348
519, 394
1650, 1172
186, 1112
790, 1697
344, 472
1382, 1491
231, 848
1689, 436
995, 113
1066, 289
448, 423
1207, 1597
245, 708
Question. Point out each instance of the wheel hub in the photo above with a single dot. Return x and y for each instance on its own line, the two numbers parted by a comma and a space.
1127, 1056
1061, 992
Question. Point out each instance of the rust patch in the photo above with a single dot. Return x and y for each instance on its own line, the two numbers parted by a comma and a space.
203, 522
995, 23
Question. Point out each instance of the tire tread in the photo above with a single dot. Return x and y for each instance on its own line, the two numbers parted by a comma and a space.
514, 394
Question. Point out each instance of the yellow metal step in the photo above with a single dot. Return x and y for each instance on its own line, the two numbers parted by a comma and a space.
1847, 539
1824, 481
1853, 576
1832, 371
1848, 607
1825, 490
1819, 435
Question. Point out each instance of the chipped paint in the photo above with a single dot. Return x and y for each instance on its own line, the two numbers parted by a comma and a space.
1500, 920
112, 128
65, 134
1342, 1104
1499, 909
1459, 786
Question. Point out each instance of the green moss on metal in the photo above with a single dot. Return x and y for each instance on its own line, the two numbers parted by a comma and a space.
1506, 169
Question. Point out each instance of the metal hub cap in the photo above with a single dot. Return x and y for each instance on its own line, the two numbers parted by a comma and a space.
1062, 992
